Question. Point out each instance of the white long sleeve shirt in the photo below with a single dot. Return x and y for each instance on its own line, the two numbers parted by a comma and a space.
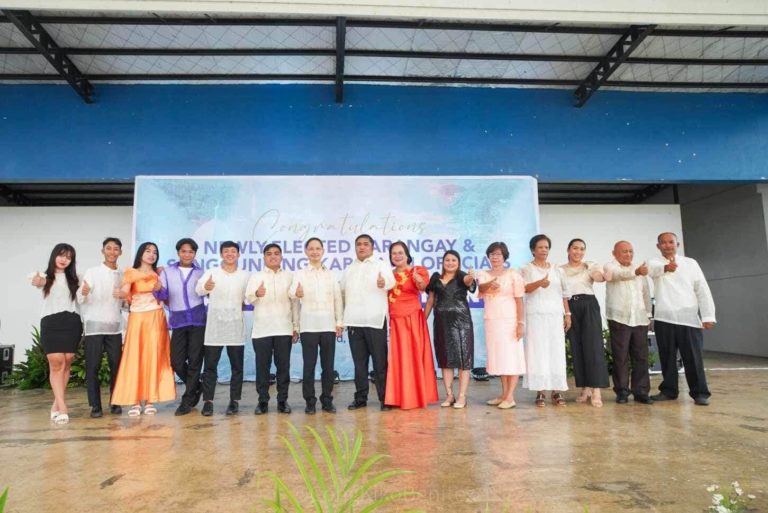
627, 297
275, 314
322, 307
100, 311
224, 324
365, 304
682, 297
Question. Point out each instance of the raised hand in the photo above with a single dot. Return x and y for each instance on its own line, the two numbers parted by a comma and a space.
545, 280
85, 289
671, 266
261, 291
38, 280
299, 291
210, 284
418, 280
642, 270
380, 281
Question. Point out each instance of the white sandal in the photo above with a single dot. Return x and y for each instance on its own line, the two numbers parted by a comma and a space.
150, 410
135, 411
54, 414
61, 418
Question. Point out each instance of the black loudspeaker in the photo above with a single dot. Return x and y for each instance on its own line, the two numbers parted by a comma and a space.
6, 364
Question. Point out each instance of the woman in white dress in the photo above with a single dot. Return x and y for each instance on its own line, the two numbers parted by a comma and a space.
548, 317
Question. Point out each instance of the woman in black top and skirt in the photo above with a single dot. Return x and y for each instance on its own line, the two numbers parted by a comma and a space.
453, 332
60, 326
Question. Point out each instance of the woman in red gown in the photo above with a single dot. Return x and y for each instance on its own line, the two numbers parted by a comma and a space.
411, 381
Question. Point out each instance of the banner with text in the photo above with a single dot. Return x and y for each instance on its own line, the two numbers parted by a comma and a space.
430, 214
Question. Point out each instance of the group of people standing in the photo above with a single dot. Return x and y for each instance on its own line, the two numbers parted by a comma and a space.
527, 316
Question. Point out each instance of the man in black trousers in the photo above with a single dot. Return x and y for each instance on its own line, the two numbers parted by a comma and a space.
365, 285
275, 327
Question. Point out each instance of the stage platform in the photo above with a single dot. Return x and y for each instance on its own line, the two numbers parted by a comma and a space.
620, 458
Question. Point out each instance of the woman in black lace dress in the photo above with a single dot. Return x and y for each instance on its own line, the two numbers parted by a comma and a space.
452, 329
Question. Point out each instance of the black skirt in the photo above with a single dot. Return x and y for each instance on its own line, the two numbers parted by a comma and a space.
60, 332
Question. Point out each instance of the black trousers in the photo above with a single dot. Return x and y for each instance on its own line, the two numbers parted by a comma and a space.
586, 336
265, 348
187, 358
629, 344
236, 356
95, 346
325, 342
369, 344
672, 338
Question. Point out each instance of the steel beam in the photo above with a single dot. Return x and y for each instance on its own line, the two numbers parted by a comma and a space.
619, 53
341, 41
26, 23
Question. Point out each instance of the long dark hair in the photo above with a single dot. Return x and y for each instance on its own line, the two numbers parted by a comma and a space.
442, 262
70, 272
140, 252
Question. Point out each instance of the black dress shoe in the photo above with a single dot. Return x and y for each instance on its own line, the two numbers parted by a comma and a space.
329, 408
643, 399
622, 398
310, 409
384, 407
116, 410
282, 407
662, 397
701, 400
198, 394
356, 405
96, 412
261, 408
207, 409
183, 409
232, 408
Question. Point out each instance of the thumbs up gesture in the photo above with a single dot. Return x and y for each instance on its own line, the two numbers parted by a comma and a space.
261, 291
38, 279
642, 270
671, 266
494, 284
545, 281
85, 289
299, 291
380, 281
417, 279
209, 285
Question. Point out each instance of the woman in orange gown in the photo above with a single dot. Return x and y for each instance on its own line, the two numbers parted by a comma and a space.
411, 381
145, 372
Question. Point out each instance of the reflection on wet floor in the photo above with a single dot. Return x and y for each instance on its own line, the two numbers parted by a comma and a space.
633, 457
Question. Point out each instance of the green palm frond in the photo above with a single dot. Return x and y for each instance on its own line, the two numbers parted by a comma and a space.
335, 480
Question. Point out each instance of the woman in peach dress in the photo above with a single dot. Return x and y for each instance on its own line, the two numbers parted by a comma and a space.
145, 373
502, 291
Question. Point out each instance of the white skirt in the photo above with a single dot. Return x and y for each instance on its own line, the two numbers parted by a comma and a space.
545, 352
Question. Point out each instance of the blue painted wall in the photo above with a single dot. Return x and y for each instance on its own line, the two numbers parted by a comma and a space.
48, 134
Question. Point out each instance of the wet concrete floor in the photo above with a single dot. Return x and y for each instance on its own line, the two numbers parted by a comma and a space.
629, 458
